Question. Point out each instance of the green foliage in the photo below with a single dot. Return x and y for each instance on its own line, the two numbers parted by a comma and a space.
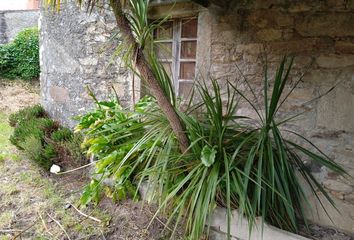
34, 149
110, 133
73, 146
62, 134
35, 127
26, 114
20, 58
42, 139
29, 134
233, 161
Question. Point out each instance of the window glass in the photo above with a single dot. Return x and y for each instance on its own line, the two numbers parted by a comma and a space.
189, 28
187, 70
188, 49
164, 50
165, 31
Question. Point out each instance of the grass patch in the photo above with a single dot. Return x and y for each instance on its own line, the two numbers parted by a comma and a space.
5, 218
5, 132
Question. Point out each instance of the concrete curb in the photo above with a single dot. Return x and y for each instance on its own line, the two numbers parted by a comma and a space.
239, 228
239, 225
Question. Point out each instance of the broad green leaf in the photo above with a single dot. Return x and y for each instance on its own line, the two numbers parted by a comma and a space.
208, 155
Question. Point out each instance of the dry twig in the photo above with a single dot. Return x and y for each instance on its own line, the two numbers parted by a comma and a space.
24, 230
85, 215
44, 225
10, 230
61, 226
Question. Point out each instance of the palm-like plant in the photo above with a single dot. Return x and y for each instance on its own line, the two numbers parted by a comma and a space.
230, 161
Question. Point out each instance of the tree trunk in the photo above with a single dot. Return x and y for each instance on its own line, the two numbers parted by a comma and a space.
145, 71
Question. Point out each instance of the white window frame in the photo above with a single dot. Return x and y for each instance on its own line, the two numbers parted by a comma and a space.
176, 51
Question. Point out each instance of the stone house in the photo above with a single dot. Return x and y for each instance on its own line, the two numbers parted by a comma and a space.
227, 41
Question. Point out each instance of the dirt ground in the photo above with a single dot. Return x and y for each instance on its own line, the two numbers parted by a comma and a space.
15, 95
37, 205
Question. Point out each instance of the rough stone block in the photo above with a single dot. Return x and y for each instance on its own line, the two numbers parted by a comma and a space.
335, 60
73, 55
337, 186
342, 219
335, 111
298, 47
326, 24
269, 34
59, 94
15, 21
89, 61
344, 47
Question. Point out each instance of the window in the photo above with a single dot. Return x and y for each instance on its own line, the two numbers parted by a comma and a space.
177, 51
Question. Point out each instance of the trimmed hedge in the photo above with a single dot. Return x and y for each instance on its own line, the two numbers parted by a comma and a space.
20, 58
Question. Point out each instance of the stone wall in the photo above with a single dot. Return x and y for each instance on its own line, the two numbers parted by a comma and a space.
77, 51
13, 21
321, 36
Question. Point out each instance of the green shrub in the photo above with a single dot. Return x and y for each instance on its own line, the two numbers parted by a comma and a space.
26, 114
62, 134
32, 127
34, 149
43, 140
73, 146
20, 58
49, 152
111, 149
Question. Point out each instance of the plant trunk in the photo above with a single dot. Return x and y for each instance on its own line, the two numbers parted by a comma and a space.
145, 71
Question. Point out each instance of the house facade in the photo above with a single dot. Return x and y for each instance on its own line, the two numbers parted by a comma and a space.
228, 42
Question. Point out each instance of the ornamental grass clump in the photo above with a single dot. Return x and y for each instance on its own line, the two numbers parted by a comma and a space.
233, 160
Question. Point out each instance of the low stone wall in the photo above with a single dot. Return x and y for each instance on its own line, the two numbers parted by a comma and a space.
13, 21
76, 50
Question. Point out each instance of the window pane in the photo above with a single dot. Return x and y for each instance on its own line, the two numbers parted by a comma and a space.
188, 49
187, 70
165, 31
164, 50
189, 28
167, 67
185, 89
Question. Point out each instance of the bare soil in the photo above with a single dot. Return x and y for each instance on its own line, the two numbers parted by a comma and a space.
15, 95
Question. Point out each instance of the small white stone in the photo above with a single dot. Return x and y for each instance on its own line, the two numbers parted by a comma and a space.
55, 169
